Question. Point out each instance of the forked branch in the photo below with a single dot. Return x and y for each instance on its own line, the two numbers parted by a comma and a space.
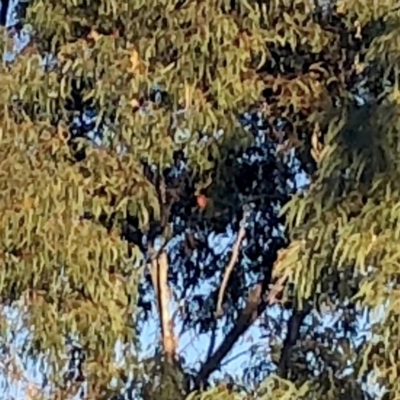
256, 304
254, 307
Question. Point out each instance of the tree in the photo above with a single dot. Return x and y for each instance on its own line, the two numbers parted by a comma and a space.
132, 130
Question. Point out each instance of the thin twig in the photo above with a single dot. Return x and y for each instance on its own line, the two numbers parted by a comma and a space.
213, 339
277, 288
236, 356
253, 309
232, 262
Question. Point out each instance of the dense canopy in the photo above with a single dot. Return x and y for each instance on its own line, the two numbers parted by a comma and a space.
134, 133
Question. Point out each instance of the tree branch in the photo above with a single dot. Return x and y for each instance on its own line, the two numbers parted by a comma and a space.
4, 11
159, 276
232, 262
294, 325
213, 339
254, 307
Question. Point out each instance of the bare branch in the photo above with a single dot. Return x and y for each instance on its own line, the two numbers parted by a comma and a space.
213, 338
294, 325
232, 262
159, 276
254, 307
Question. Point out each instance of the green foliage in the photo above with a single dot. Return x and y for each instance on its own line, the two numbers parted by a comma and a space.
168, 77
348, 220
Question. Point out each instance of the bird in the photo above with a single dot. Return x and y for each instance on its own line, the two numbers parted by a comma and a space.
202, 201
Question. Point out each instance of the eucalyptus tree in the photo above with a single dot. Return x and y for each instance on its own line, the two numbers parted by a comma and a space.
158, 123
